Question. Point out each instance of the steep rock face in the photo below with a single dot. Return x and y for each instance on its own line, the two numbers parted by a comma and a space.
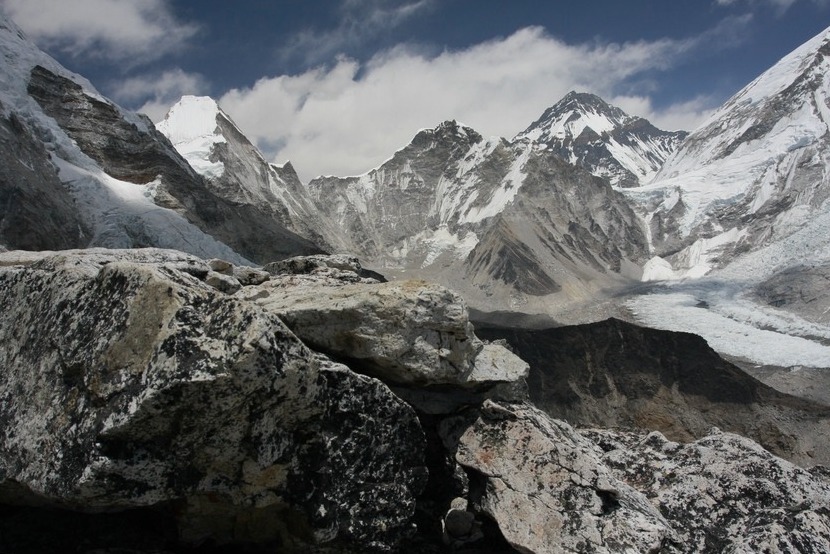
235, 170
565, 231
128, 383
390, 212
613, 374
36, 211
586, 131
723, 493
500, 222
140, 155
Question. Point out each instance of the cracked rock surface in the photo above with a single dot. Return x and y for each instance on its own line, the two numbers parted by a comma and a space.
547, 488
723, 492
129, 383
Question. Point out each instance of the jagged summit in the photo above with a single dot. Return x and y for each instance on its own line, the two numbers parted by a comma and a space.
585, 130
575, 114
448, 131
191, 117
233, 166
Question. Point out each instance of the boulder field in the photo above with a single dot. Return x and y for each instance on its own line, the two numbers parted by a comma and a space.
151, 401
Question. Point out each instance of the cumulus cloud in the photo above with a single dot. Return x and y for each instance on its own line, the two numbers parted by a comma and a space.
157, 92
125, 31
347, 118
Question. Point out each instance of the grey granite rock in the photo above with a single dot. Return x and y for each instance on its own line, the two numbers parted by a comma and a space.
723, 493
129, 383
407, 332
547, 488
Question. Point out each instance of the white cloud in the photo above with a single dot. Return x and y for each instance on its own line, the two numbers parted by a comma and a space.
358, 21
159, 91
126, 31
348, 118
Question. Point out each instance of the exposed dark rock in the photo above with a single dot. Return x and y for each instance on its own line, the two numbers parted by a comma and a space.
37, 211
140, 155
614, 373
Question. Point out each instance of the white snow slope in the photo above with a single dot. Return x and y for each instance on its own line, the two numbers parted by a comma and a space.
753, 186
110, 206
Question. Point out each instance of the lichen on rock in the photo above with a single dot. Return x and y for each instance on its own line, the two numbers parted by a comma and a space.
129, 382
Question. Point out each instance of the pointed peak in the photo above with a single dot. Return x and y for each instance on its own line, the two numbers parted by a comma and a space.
585, 98
190, 118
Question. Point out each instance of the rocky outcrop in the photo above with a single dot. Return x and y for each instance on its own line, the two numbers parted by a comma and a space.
130, 384
723, 493
546, 488
162, 396
408, 332
550, 488
615, 374
36, 211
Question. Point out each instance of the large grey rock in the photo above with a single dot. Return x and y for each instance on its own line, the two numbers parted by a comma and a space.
723, 493
407, 332
547, 488
128, 382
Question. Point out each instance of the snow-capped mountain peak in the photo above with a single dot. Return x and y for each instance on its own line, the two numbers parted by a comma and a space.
585, 130
752, 176
190, 118
572, 116
192, 126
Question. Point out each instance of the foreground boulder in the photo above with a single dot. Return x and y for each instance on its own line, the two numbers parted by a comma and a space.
129, 383
152, 402
723, 492
406, 332
547, 489
550, 488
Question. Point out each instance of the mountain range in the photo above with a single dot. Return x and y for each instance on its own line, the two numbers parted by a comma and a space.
444, 354
587, 213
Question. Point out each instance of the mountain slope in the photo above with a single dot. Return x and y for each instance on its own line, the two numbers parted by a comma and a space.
502, 222
122, 184
740, 215
234, 169
586, 131
753, 175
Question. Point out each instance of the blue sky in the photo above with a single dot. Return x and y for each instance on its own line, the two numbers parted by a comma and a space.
338, 85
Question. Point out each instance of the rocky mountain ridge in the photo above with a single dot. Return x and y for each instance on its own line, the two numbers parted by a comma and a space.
500, 222
118, 181
588, 132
